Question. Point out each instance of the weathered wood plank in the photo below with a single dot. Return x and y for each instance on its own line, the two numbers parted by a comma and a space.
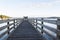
49, 28
3, 21
1, 35
49, 21
25, 31
55, 38
1, 28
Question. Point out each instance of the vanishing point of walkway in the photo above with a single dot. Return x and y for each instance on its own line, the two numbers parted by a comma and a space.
25, 31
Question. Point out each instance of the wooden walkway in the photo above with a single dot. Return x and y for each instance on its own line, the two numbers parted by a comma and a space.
25, 31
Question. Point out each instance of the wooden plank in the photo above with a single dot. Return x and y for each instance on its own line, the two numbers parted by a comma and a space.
49, 17
42, 25
26, 31
3, 21
34, 24
49, 21
6, 26
58, 22
58, 28
14, 23
49, 28
18, 18
39, 19
48, 33
1, 28
5, 32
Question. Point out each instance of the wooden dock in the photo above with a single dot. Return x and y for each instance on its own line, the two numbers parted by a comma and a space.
30, 29
25, 31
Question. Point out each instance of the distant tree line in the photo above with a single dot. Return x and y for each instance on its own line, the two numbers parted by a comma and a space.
4, 17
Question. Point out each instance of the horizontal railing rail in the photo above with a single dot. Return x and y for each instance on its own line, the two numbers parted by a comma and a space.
40, 21
15, 23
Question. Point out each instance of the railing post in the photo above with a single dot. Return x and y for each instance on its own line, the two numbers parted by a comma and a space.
32, 22
42, 25
8, 27
14, 23
58, 28
36, 23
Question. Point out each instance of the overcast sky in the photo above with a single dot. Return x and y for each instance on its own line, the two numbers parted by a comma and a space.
32, 8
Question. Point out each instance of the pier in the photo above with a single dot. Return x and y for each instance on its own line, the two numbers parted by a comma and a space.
31, 28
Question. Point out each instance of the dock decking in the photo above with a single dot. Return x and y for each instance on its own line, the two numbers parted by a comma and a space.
25, 31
